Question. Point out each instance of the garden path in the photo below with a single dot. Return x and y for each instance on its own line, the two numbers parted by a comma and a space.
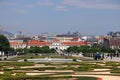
104, 77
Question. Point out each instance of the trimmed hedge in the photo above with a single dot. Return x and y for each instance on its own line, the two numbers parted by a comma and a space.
16, 64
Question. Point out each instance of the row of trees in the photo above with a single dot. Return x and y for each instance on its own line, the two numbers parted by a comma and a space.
88, 49
35, 49
44, 49
92, 51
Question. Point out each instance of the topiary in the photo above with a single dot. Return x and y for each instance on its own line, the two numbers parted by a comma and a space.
25, 60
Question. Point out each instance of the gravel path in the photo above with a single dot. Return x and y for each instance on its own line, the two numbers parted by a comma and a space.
104, 77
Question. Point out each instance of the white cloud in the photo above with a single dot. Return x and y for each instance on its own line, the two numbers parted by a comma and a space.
45, 3
97, 4
21, 11
5, 3
61, 8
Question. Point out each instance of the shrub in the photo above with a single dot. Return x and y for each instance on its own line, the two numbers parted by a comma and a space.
25, 60
66, 57
115, 71
31, 57
74, 60
5, 58
0, 59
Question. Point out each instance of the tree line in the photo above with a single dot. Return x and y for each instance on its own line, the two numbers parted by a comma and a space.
88, 49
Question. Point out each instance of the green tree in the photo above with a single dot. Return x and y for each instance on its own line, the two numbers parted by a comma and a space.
95, 49
73, 49
20, 51
84, 49
4, 44
53, 50
45, 49
34, 49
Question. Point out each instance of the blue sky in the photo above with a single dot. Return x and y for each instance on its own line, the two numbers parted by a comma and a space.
60, 16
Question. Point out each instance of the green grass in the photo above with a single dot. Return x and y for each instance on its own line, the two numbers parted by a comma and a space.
87, 78
16, 64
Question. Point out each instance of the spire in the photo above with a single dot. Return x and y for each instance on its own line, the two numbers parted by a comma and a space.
0, 29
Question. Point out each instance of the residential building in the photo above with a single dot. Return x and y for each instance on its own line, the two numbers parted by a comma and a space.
114, 43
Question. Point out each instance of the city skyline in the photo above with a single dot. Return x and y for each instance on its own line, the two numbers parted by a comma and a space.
60, 16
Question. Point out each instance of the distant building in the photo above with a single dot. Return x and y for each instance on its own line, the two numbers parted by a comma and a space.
56, 44
38, 43
19, 42
106, 43
112, 40
17, 45
114, 43
114, 34
76, 39
65, 38
22, 39
61, 42
42, 38
91, 40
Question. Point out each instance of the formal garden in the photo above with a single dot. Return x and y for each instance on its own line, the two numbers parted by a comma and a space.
11, 69
51, 65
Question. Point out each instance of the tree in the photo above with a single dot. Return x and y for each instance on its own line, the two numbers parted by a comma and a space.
53, 50
72, 49
34, 49
4, 44
95, 49
45, 49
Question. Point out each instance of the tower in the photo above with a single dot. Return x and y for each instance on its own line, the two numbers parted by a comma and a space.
19, 34
0, 29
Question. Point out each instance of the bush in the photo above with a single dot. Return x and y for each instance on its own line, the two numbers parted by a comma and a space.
74, 60
115, 71
5, 58
66, 57
31, 57
0, 59
17, 64
83, 69
25, 60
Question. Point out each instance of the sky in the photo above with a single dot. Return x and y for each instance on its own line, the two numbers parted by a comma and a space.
97, 17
